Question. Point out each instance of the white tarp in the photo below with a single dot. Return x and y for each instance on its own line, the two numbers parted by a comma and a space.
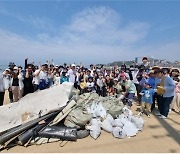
29, 107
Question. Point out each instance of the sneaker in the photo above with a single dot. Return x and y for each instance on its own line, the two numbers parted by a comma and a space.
148, 116
157, 113
162, 117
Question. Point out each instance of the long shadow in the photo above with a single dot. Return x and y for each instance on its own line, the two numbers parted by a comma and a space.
172, 132
174, 121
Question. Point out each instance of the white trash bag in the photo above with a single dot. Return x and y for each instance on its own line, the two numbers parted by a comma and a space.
93, 109
97, 110
130, 129
127, 111
107, 124
118, 132
100, 110
94, 128
118, 123
123, 118
138, 121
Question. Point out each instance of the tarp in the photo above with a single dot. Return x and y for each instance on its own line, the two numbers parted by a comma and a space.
34, 105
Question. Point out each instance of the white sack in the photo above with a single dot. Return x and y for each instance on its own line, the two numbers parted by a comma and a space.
130, 129
97, 110
108, 123
118, 123
138, 121
94, 128
118, 132
127, 111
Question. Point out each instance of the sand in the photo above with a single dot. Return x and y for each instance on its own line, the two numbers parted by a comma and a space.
158, 135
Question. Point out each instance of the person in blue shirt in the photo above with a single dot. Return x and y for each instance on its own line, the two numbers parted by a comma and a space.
152, 82
169, 92
147, 99
64, 78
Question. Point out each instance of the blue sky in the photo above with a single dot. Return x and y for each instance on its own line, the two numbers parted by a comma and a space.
88, 31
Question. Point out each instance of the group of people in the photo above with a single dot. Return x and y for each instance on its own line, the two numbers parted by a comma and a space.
148, 85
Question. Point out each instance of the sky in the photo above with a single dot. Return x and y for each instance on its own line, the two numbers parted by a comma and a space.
88, 31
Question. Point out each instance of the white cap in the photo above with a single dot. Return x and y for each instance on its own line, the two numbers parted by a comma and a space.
15, 68
56, 66
7, 69
73, 65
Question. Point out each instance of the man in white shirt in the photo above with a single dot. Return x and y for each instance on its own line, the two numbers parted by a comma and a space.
39, 76
72, 74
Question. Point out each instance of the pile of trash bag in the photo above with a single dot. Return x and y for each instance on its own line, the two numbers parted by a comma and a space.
123, 125
68, 118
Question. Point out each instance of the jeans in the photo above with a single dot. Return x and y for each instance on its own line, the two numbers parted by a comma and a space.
165, 105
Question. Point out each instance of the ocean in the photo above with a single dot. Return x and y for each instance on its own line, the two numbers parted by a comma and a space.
3, 67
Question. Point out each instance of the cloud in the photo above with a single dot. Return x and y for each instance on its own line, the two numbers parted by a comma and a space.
40, 23
94, 35
104, 25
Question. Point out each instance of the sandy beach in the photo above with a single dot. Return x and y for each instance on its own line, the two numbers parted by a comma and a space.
158, 135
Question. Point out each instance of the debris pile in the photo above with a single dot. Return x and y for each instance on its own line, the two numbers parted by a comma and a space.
59, 113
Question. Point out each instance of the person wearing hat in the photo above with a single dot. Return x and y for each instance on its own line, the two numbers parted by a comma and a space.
7, 78
72, 74
15, 84
151, 81
167, 90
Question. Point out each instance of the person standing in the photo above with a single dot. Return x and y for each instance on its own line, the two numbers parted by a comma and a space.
28, 84
11, 66
72, 74
167, 90
176, 99
21, 84
2, 89
15, 84
147, 99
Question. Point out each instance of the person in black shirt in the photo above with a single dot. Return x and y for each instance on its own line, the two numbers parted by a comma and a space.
28, 85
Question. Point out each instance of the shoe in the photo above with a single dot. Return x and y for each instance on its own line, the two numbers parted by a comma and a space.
157, 113
162, 117
148, 116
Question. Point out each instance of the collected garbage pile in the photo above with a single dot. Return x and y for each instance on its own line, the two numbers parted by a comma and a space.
60, 114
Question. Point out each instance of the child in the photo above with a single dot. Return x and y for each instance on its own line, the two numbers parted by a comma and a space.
176, 99
147, 99
90, 85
